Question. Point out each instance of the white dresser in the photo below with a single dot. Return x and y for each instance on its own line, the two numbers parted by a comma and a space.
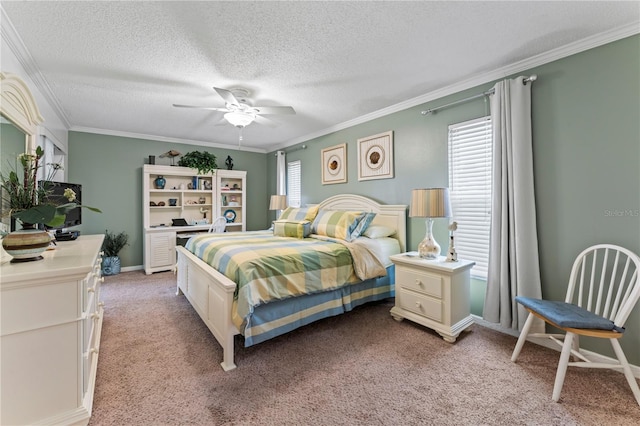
433, 293
51, 319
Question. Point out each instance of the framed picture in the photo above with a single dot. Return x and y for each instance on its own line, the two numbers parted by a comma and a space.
375, 156
334, 164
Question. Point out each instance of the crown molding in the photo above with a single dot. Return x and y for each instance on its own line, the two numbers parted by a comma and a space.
165, 139
17, 46
520, 66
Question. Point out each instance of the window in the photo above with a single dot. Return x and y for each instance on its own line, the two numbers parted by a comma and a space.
294, 183
52, 161
470, 190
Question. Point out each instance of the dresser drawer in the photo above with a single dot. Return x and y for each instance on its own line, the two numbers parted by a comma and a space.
88, 359
88, 323
89, 286
91, 296
420, 304
419, 281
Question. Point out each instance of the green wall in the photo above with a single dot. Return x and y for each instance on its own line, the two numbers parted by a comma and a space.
586, 146
110, 171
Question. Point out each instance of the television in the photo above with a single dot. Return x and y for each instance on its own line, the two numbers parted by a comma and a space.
55, 195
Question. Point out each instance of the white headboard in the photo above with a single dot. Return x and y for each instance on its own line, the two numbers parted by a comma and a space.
393, 216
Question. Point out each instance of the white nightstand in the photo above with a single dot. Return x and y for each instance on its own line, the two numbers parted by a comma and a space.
433, 293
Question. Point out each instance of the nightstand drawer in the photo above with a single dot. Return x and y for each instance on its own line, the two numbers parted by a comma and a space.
419, 281
419, 304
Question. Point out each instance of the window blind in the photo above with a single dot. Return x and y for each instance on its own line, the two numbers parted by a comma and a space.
470, 145
294, 183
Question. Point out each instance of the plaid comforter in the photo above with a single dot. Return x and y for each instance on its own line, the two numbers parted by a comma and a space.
267, 268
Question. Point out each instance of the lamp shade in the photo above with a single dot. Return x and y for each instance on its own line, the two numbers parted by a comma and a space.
278, 202
239, 118
430, 202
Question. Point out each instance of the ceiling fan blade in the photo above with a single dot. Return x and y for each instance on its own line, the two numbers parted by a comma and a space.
264, 121
202, 107
275, 110
227, 96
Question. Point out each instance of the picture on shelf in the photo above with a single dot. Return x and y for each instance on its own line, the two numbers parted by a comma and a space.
230, 215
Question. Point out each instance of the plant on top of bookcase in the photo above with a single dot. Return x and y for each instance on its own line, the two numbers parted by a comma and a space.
203, 161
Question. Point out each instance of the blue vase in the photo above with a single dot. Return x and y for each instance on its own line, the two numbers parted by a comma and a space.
160, 182
110, 265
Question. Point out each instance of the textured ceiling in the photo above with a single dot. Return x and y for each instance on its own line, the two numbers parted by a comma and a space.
119, 66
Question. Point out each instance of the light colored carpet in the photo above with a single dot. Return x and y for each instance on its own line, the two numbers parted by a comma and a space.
159, 365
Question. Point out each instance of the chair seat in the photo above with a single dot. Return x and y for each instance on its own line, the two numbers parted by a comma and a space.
567, 314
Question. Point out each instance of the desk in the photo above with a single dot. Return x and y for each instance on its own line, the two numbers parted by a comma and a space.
182, 238
160, 245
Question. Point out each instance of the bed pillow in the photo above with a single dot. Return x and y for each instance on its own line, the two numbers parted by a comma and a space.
336, 223
363, 224
294, 213
378, 231
292, 228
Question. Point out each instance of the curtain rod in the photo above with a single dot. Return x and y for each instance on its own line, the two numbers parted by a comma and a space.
298, 148
286, 151
531, 78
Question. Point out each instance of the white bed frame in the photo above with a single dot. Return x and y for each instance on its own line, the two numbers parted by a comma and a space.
211, 293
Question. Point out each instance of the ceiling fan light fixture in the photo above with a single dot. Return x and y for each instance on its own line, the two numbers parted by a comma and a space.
239, 119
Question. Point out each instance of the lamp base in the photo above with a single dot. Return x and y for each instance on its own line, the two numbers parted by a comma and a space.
429, 248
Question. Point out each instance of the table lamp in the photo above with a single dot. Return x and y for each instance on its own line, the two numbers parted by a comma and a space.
430, 203
278, 202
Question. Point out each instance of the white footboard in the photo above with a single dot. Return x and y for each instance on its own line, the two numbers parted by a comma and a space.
211, 295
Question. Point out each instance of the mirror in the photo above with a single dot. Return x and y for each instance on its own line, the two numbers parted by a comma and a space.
19, 123
12, 143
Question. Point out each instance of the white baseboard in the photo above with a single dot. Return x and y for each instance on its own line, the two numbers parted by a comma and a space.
549, 344
131, 268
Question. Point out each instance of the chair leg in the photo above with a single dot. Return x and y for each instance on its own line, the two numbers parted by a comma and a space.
627, 369
523, 337
562, 366
576, 346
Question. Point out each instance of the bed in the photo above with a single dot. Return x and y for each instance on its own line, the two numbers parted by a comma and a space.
217, 297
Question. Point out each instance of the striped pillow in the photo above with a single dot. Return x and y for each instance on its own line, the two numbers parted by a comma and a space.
336, 223
306, 213
292, 228
363, 224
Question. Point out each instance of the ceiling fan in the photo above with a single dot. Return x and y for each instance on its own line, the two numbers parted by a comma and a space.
238, 110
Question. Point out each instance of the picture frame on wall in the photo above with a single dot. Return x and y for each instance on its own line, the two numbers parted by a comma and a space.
334, 164
375, 156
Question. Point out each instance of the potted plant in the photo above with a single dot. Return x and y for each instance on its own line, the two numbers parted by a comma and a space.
31, 204
111, 246
203, 161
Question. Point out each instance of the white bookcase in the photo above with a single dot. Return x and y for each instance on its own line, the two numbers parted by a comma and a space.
231, 198
195, 197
